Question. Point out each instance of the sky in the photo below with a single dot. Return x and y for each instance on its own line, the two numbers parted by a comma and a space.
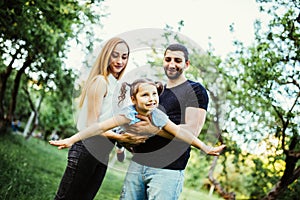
202, 19
205, 21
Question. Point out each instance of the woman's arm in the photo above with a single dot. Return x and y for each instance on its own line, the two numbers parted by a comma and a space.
95, 94
94, 98
92, 130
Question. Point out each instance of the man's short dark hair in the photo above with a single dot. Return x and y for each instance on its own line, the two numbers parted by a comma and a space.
178, 47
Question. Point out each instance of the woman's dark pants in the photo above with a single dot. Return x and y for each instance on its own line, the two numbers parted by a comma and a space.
83, 176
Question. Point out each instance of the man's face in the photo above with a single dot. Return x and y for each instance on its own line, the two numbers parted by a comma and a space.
174, 64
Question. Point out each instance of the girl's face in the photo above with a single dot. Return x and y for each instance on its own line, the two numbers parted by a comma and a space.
146, 99
118, 59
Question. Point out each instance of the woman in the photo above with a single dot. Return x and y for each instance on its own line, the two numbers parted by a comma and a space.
87, 162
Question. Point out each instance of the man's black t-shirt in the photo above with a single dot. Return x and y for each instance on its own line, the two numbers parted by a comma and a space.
173, 154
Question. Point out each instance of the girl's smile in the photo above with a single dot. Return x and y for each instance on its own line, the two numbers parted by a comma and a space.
146, 99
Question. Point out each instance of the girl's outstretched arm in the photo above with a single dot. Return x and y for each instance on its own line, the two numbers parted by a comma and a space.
94, 129
186, 134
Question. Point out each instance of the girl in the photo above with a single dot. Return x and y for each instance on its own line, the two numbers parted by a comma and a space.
144, 95
87, 162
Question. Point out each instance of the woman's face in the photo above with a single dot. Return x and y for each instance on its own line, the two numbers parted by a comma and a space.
118, 59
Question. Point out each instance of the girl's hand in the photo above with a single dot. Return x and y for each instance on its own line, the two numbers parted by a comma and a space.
215, 151
61, 144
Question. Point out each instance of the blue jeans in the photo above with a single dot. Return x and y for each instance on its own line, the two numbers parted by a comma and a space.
142, 182
83, 175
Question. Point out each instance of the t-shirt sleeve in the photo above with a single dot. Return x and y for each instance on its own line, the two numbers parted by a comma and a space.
197, 96
130, 113
159, 118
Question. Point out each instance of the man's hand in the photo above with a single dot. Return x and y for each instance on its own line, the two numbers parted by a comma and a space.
144, 127
132, 139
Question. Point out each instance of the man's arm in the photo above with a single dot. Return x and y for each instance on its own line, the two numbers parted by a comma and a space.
194, 118
146, 127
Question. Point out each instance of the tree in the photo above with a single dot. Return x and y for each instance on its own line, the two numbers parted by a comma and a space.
264, 89
34, 39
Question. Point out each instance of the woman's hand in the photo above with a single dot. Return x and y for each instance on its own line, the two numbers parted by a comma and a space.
61, 144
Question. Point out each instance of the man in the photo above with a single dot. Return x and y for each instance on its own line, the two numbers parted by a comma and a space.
157, 167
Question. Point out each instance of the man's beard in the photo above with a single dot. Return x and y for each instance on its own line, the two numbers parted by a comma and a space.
175, 75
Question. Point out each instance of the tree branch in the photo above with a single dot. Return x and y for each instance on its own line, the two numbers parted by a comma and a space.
283, 122
292, 153
29, 99
219, 189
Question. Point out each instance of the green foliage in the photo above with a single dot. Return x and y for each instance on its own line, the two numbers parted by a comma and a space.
34, 38
261, 177
292, 192
53, 118
267, 73
196, 171
263, 90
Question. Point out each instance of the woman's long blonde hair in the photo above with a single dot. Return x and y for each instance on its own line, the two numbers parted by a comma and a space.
101, 66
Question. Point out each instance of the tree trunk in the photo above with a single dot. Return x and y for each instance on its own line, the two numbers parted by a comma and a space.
35, 109
4, 123
15, 90
4, 77
289, 176
291, 173
218, 187
35, 124
281, 185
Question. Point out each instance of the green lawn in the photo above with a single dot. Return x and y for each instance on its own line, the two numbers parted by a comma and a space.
32, 170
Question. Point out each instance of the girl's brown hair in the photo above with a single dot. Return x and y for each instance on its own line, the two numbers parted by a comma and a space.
134, 87
101, 66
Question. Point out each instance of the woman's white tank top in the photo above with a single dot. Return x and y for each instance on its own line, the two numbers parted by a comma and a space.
106, 110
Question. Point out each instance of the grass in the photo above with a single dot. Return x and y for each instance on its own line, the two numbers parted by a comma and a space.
32, 169
29, 169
